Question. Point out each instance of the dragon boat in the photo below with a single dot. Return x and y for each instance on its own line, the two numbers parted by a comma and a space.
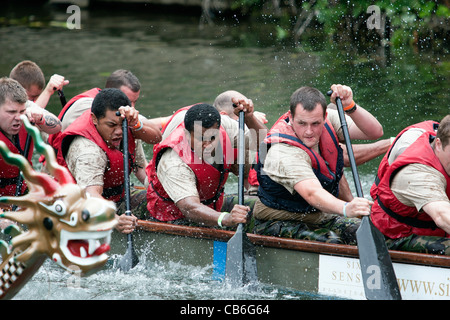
307, 266
58, 220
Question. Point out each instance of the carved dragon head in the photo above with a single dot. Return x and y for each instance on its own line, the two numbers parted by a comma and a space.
62, 220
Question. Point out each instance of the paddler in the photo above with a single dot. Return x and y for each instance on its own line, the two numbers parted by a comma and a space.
412, 190
129, 84
301, 193
91, 146
191, 165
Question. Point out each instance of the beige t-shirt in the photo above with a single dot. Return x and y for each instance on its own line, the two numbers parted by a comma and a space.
87, 161
178, 180
408, 137
76, 110
289, 165
416, 184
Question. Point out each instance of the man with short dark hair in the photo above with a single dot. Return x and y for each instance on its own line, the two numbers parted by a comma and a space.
301, 165
91, 148
127, 82
190, 166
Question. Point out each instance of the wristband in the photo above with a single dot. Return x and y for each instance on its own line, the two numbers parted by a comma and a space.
138, 126
219, 220
343, 210
351, 107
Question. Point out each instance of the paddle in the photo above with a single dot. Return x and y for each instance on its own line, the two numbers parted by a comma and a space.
130, 259
380, 282
240, 268
62, 97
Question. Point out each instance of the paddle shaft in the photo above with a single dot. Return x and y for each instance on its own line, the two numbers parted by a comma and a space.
130, 259
62, 98
241, 162
240, 266
26, 151
241, 158
348, 144
126, 169
126, 166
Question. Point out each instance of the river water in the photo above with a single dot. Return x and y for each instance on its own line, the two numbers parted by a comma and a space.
179, 64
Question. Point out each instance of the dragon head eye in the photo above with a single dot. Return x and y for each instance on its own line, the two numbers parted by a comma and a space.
58, 207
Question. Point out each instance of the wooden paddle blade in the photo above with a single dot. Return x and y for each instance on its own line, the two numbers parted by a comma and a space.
240, 266
380, 282
130, 259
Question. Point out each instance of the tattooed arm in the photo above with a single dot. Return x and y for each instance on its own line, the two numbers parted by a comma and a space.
44, 120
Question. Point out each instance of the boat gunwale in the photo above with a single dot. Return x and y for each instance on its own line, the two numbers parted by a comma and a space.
290, 244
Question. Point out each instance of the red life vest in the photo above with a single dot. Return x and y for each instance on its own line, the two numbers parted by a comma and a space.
9, 175
253, 177
389, 215
113, 177
210, 181
327, 166
429, 126
55, 139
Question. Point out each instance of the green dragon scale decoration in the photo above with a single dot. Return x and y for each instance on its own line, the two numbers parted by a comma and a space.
62, 222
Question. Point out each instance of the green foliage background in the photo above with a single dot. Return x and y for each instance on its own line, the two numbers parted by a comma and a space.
412, 22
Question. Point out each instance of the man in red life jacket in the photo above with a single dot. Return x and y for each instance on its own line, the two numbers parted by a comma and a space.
190, 166
412, 190
300, 167
91, 148
128, 83
13, 104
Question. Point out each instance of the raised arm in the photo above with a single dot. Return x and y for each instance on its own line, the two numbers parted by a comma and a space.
55, 83
366, 126
150, 132
142, 129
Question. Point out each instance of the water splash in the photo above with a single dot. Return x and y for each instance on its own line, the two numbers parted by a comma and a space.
149, 280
